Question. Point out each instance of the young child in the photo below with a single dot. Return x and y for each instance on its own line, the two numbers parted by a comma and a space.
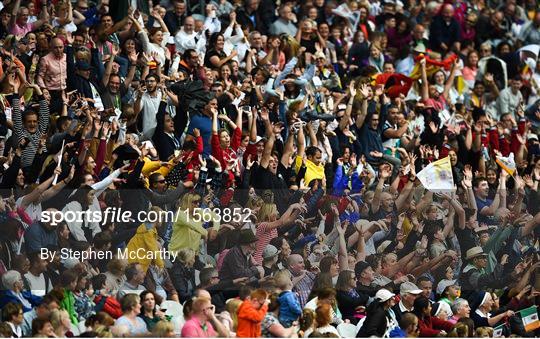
251, 313
289, 307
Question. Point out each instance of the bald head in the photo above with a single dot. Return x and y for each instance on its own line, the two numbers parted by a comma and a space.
57, 47
189, 24
447, 12
200, 293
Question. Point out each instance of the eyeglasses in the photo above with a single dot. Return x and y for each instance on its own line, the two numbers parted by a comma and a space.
216, 277
161, 181
196, 201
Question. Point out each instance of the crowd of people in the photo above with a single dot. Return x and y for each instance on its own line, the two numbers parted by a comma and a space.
291, 151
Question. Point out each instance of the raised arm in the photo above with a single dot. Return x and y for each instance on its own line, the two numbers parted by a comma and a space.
301, 143
288, 150
108, 69
425, 84
44, 18
15, 10
342, 244
269, 146
361, 117
383, 175
450, 81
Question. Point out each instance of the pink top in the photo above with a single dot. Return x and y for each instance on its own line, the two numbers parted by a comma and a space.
469, 73
20, 31
194, 328
52, 72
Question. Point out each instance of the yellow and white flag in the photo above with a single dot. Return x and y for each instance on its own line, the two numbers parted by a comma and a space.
437, 176
507, 163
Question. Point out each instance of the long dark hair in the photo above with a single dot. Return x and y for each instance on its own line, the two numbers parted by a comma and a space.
157, 299
80, 196
212, 41
420, 304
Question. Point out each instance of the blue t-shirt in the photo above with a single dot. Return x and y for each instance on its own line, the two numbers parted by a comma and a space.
487, 219
134, 329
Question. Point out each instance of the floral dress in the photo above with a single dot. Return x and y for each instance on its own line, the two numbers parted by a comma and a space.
269, 320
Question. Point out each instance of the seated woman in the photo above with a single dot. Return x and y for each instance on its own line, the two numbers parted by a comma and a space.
323, 317
483, 306
271, 327
131, 307
349, 301
326, 295
150, 314
429, 325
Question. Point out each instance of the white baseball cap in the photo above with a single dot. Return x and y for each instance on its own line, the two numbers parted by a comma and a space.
383, 295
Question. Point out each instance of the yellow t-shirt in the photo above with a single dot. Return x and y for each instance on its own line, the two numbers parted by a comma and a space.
312, 171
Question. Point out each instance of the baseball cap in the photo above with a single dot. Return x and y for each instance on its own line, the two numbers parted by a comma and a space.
269, 251
409, 287
444, 284
259, 139
383, 295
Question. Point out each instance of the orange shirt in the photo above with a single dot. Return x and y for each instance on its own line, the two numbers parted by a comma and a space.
249, 320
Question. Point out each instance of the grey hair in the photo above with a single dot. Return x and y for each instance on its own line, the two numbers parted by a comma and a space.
10, 278
458, 304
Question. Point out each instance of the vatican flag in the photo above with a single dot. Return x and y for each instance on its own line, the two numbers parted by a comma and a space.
437, 176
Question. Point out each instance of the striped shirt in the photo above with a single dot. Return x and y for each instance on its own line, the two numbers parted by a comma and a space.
20, 132
265, 236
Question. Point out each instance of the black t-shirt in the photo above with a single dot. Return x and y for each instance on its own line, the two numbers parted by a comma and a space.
466, 238
277, 183
210, 54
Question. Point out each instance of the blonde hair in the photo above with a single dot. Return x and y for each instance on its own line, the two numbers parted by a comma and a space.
254, 202
266, 211
283, 279
129, 301
56, 317
116, 266
187, 200
162, 328
480, 331
232, 307
185, 255
103, 331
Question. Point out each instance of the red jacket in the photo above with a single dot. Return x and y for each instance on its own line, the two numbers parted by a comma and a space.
108, 305
431, 326
225, 155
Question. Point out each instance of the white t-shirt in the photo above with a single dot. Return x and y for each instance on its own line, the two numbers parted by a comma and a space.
149, 107
38, 285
